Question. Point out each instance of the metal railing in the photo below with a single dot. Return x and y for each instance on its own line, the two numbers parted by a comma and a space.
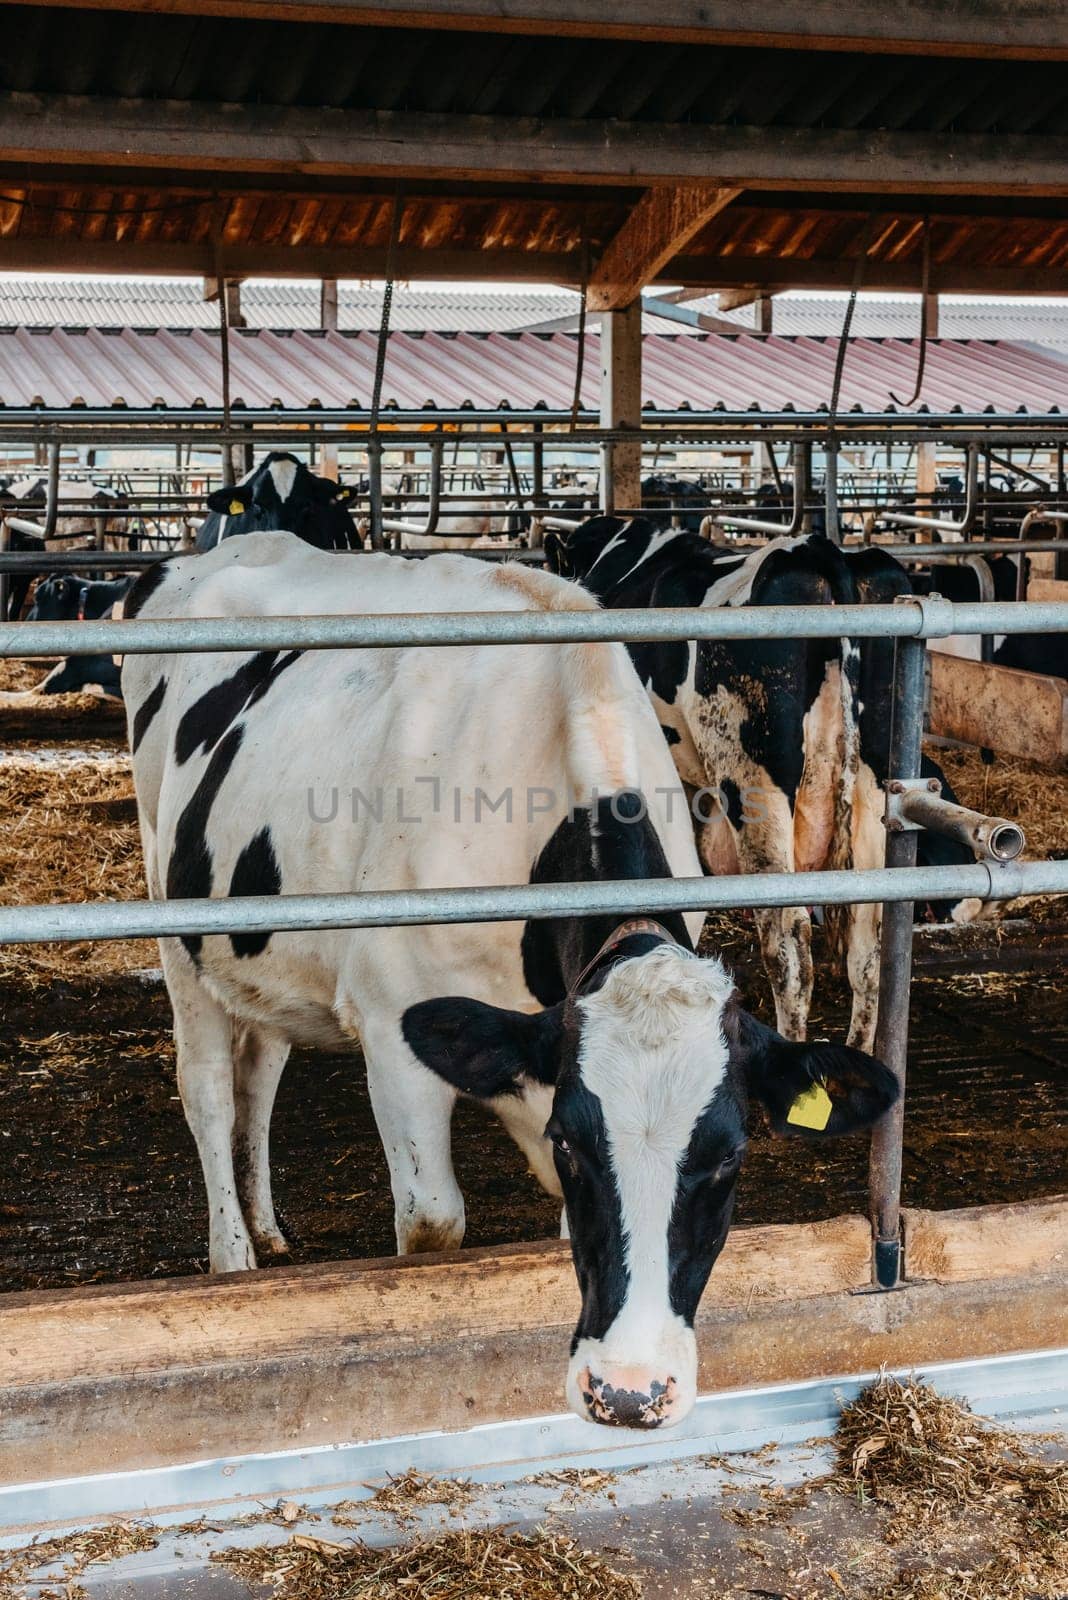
910, 621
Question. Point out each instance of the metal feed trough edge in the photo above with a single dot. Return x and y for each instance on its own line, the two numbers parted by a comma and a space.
1029, 1387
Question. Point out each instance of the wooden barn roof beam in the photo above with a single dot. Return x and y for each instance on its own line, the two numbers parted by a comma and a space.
224, 138
1000, 29
706, 273
662, 222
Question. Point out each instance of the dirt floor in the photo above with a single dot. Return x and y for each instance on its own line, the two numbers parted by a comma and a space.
100, 1180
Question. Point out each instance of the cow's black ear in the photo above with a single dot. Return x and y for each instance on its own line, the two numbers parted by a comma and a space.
556, 555
815, 1090
232, 501
343, 492
484, 1050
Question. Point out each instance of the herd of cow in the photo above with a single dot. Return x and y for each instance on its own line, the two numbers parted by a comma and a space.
619, 1060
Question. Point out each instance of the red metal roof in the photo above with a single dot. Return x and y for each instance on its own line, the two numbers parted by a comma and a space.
139, 368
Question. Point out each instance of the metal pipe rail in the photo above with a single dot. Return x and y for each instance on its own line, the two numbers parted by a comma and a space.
899, 519
137, 919
911, 617
135, 560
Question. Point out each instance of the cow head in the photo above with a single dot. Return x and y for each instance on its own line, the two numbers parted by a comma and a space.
572, 553
58, 598
652, 1062
283, 494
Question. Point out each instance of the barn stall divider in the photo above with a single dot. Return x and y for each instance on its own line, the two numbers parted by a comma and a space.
102, 1388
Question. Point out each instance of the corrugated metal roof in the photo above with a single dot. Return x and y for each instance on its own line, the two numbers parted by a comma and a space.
60, 368
278, 303
180, 303
1038, 321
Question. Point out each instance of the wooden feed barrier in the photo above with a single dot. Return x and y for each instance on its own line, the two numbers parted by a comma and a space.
128, 1376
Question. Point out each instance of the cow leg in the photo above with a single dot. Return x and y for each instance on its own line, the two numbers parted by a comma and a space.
203, 1037
525, 1117
65, 678
863, 924
766, 844
259, 1061
413, 1110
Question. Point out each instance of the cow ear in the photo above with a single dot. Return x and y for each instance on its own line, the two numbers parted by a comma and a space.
231, 501
343, 493
484, 1050
815, 1090
556, 554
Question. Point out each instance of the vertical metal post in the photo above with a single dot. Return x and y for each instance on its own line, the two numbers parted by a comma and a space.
895, 971
52, 490
374, 473
5, 544
803, 465
834, 533
537, 526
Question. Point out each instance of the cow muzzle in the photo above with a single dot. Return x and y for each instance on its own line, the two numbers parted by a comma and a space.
619, 1395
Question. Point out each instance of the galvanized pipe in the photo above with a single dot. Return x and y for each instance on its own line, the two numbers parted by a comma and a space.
900, 519
430, 526
790, 530
52, 490
134, 560
995, 838
895, 967
913, 617
136, 919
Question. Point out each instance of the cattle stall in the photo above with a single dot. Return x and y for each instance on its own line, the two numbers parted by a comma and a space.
153, 1413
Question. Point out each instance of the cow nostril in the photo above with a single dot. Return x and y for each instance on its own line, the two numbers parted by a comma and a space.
627, 1408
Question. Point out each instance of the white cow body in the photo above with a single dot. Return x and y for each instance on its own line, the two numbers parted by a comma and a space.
400, 728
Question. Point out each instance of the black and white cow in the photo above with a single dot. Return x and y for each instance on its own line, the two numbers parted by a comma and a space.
1045, 653
282, 493
766, 728
619, 1061
66, 598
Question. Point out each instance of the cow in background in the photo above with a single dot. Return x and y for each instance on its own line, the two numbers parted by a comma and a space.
68, 598
283, 495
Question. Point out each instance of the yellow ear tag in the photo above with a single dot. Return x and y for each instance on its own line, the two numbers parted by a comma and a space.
811, 1109
236, 508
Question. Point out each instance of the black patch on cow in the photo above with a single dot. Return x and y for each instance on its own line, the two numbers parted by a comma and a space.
704, 1197
483, 1050
732, 801
256, 871
144, 588
621, 843
587, 1176
189, 872
670, 734
208, 718
146, 713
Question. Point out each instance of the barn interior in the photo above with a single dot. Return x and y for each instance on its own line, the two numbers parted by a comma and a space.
682, 172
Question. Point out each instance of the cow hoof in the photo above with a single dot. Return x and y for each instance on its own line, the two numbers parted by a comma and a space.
272, 1244
427, 1236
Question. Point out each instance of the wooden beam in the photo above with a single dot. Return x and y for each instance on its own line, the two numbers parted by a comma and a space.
621, 406
282, 261
776, 274
998, 29
78, 131
661, 223
737, 299
145, 1374
1015, 713
1004, 1241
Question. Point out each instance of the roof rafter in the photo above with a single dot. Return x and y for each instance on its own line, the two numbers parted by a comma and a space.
1005, 29
662, 222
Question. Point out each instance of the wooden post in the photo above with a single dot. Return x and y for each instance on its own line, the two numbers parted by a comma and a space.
927, 454
328, 322
621, 405
765, 313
